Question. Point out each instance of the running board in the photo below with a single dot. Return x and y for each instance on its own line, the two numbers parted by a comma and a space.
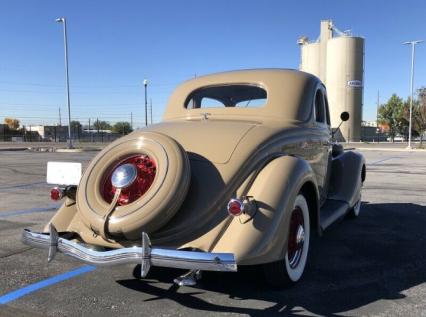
331, 211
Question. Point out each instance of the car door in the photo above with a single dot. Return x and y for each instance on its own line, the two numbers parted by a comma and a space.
323, 136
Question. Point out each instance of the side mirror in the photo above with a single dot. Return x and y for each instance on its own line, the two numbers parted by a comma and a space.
344, 116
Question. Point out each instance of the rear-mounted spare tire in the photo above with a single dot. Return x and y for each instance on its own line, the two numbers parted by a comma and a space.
154, 196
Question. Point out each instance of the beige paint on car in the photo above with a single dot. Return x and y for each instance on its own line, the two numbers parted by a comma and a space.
270, 153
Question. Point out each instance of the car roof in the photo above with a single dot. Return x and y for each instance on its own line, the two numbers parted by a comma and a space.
289, 94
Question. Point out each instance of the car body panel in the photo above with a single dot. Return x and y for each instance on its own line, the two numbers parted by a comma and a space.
269, 153
289, 94
346, 177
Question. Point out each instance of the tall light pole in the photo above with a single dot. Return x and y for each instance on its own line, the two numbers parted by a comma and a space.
64, 23
150, 109
145, 83
413, 50
377, 117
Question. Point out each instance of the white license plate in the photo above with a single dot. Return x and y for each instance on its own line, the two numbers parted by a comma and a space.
63, 173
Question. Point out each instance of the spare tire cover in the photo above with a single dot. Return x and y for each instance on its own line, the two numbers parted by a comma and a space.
156, 206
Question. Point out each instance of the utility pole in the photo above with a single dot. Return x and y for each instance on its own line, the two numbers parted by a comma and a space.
413, 50
145, 83
64, 23
97, 123
150, 108
90, 133
377, 117
60, 119
131, 120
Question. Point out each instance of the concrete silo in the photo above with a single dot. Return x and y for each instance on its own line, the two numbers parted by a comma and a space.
337, 58
310, 57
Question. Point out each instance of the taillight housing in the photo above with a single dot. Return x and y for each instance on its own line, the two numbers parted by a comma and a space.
235, 207
56, 193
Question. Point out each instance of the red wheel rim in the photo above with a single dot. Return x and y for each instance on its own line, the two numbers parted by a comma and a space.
296, 237
146, 171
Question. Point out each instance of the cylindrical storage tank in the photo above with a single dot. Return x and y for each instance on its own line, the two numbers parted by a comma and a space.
344, 81
310, 58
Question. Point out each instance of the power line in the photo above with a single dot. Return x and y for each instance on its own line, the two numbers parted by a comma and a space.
86, 86
79, 105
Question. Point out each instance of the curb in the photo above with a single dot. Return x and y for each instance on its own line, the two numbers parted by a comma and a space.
68, 150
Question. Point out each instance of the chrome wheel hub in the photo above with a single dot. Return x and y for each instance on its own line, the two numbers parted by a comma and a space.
300, 237
124, 176
296, 238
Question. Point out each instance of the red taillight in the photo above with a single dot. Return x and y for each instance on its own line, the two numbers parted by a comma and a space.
235, 207
56, 193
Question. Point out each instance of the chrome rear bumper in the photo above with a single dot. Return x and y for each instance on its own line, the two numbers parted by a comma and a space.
144, 255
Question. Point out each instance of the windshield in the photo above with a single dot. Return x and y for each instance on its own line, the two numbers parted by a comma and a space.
240, 95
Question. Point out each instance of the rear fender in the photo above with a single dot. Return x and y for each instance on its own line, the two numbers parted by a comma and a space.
347, 175
263, 239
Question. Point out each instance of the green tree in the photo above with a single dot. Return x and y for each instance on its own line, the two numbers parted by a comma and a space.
102, 125
390, 114
76, 126
419, 114
403, 119
76, 129
122, 127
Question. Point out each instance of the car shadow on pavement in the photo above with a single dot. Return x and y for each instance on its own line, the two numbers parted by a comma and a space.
357, 262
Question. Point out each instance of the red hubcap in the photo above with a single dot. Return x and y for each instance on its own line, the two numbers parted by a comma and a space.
146, 170
296, 238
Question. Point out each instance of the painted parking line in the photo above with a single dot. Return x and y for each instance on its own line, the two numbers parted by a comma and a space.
12, 213
22, 185
383, 160
45, 283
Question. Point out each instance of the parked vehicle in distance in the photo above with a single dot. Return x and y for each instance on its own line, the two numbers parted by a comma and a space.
241, 171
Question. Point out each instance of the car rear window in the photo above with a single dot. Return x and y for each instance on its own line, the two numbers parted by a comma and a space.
241, 96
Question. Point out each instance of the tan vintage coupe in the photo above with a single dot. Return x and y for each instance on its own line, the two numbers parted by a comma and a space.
243, 170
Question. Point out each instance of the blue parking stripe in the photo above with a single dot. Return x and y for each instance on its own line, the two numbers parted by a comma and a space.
12, 213
42, 284
382, 160
23, 185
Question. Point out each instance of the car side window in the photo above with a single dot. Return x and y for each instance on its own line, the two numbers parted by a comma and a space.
319, 107
327, 110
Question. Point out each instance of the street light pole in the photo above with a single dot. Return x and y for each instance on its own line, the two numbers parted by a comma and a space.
413, 49
64, 23
377, 117
145, 83
150, 109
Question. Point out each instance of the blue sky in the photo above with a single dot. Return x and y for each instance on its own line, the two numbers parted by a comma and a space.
114, 45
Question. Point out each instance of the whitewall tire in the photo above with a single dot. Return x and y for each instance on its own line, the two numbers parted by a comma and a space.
286, 272
295, 261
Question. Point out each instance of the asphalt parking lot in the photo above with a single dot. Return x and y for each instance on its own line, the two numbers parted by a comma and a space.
372, 266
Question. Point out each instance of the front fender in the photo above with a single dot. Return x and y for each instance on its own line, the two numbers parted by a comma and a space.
263, 239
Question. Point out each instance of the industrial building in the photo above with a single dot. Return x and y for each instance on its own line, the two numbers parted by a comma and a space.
47, 133
337, 58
